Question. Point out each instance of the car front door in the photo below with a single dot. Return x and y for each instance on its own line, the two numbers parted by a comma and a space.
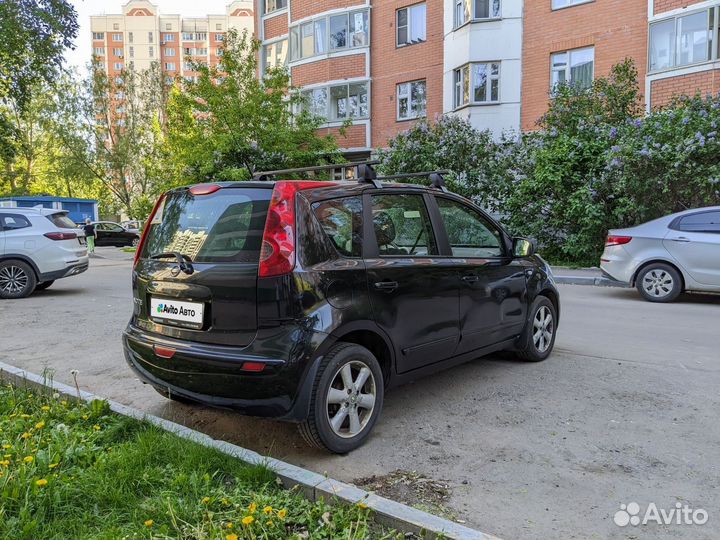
413, 292
694, 241
492, 296
118, 235
101, 235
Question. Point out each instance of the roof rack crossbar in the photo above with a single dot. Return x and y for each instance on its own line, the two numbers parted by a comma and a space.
267, 175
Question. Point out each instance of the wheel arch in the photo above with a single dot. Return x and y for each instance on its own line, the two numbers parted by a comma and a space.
683, 278
554, 297
370, 336
23, 258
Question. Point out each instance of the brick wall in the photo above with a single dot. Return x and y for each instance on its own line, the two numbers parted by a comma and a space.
666, 5
299, 9
390, 65
616, 28
663, 90
354, 136
329, 69
276, 26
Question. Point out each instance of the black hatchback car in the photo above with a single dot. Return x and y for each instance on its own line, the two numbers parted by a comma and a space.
306, 300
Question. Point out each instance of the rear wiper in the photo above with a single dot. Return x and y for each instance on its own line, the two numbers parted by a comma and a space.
184, 261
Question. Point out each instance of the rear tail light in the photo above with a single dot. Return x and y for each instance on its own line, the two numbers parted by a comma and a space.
277, 255
61, 235
617, 240
144, 234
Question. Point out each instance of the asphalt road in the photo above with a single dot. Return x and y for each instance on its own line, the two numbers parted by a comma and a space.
624, 411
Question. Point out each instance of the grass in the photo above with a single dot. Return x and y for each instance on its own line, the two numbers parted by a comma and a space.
76, 470
128, 249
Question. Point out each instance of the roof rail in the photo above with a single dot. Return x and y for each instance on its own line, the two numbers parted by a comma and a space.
268, 175
437, 180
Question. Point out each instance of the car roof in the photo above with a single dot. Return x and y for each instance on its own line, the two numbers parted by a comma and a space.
696, 210
35, 211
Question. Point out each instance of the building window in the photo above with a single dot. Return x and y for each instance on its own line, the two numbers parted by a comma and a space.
338, 102
201, 36
411, 24
117, 37
218, 26
274, 5
557, 4
187, 36
132, 52
477, 83
219, 37
219, 51
168, 26
682, 40
118, 66
151, 51
574, 67
193, 51
476, 10
169, 66
116, 26
346, 31
275, 54
98, 35
169, 51
118, 52
187, 66
411, 100
167, 38
150, 37
99, 51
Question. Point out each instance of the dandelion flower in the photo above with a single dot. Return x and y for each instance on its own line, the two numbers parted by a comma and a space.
252, 508
247, 520
282, 513
205, 500
41, 482
96, 427
4, 463
85, 417
149, 523
268, 510
7, 446
225, 501
268, 522
362, 505
53, 465
45, 407
25, 416
229, 525
231, 537
40, 425
28, 459
25, 435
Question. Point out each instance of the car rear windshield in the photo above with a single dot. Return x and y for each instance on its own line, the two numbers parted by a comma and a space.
62, 221
226, 226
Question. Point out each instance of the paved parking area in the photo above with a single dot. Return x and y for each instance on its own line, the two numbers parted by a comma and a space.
624, 411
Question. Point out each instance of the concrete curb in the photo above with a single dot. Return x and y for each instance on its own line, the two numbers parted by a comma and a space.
314, 486
590, 280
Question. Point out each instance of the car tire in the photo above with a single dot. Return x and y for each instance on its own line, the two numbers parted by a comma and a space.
44, 285
341, 418
135, 242
538, 339
17, 279
659, 282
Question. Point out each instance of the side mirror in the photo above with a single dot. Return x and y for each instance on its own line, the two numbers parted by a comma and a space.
522, 247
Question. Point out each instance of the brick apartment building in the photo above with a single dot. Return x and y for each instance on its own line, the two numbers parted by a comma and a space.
140, 35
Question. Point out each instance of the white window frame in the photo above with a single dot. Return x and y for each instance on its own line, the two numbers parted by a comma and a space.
169, 37
117, 37
99, 51
408, 96
118, 51
713, 37
151, 51
569, 4
408, 26
169, 51
168, 27
274, 45
151, 37
277, 5
467, 71
568, 64
187, 36
201, 36
97, 36
118, 66
328, 104
326, 49
464, 12
170, 66
219, 37
131, 51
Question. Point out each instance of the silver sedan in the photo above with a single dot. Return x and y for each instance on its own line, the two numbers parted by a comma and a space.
667, 256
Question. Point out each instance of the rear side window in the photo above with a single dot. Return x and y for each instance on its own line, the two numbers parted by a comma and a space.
62, 221
226, 226
706, 222
341, 219
13, 222
402, 226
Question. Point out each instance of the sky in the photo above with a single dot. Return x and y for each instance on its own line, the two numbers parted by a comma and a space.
83, 44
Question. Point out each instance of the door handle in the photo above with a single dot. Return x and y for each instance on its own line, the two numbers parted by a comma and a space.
681, 239
386, 286
471, 278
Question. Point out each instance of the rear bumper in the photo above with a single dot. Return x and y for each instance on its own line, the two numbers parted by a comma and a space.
71, 270
213, 375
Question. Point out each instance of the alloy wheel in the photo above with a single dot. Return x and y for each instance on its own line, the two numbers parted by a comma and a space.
351, 399
13, 279
658, 283
543, 329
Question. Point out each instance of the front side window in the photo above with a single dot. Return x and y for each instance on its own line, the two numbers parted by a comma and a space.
411, 25
274, 5
575, 67
470, 234
402, 226
478, 10
704, 222
411, 100
342, 220
682, 40
477, 83
332, 33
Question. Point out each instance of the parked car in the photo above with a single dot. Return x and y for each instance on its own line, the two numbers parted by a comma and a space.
132, 225
37, 247
305, 300
109, 233
666, 256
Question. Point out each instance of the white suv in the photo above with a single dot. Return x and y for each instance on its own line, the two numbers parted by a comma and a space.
38, 246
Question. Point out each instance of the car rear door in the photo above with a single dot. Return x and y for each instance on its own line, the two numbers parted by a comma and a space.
413, 291
694, 241
212, 297
492, 296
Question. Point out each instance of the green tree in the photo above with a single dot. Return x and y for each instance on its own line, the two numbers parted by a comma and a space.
229, 124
